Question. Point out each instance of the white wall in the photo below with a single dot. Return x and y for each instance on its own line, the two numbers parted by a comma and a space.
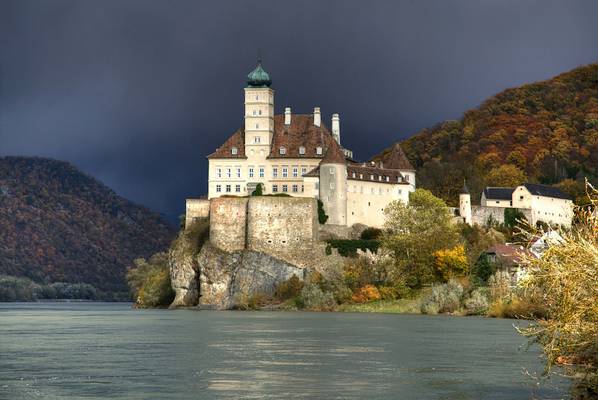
366, 200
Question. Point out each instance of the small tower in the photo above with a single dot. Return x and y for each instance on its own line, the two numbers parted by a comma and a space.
259, 113
465, 204
333, 185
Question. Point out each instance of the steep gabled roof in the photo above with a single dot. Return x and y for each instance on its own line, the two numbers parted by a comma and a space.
509, 253
498, 193
394, 157
236, 140
334, 154
547, 191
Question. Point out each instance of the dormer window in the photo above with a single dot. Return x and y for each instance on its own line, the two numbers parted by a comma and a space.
319, 150
387, 179
301, 150
234, 151
353, 175
371, 177
282, 150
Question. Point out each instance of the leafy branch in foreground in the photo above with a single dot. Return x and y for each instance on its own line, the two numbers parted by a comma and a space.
567, 275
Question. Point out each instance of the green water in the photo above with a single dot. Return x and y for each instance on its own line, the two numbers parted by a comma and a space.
109, 351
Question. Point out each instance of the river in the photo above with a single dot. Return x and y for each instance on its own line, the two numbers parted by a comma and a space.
110, 351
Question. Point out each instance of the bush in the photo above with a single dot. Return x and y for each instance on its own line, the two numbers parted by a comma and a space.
150, 282
365, 294
288, 289
316, 299
322, 217
371, 234
483, 269
349, 247
258, 190
388, 293
517, 308
450, 263
476, 303
445, 298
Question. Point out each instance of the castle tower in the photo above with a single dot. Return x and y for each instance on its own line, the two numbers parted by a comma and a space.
465, 204
333, 185
259, 116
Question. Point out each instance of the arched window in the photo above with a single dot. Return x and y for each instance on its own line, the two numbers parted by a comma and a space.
282, 150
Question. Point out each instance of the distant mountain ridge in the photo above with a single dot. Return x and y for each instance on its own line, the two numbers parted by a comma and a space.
59, 224
544, 132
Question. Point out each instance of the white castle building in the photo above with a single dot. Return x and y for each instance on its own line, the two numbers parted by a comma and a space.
537, 202
298, 155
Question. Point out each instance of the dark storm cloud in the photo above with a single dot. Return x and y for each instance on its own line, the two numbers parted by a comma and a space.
138, 92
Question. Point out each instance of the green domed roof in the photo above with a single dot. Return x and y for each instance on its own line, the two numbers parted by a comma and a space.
258, 77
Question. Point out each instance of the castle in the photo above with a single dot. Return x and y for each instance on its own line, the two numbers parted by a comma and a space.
297, 155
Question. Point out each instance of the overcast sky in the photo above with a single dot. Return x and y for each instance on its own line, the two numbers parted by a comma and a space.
138, 92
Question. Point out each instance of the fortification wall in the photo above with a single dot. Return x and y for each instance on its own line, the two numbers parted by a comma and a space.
481, 215
280, 226
228, 220
196, 209
277, 223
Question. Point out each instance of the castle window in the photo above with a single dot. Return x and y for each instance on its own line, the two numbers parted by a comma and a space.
285, 172
282, 150
274, 172
274, 188
219, 173
331, 171
238, 188
257, 139
372, 177
400, 191
301, 150
369, 204
257, 97
251, 172
218, 188
257, 126
407, 178
234, 151
332, 185
302, 188
380, 191
360, 176
260, 112
228, 174
238, 172
228, 188
261, 172
253, 112
399, 179
295, 172
285, 188
303, 170
319, 150
295, 188
387, 179
317, 185
353, 174
380, 178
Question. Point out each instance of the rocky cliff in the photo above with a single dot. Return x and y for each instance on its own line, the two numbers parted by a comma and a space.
210, 277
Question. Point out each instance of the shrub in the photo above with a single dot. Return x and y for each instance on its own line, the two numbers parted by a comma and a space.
322, 217
150, 282
444, 298
349, 247
258, 190
476, 303
289, 288
388, 293
450, 263
371, 234
483, 269
365, 294
315, 299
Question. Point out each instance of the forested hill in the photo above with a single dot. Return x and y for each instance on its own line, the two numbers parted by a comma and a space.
60, 225
544, 132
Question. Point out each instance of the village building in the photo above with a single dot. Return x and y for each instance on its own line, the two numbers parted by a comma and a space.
298, 155
537, 203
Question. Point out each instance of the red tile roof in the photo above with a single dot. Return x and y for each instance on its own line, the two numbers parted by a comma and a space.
300, 133
511, 253
394, 157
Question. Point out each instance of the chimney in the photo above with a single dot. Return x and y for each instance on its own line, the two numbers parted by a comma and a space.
317, 116
336, 128
287, 116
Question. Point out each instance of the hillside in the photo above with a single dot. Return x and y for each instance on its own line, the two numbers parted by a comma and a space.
58, 224
544, 132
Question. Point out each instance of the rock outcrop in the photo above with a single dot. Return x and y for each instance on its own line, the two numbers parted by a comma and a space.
227, 280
